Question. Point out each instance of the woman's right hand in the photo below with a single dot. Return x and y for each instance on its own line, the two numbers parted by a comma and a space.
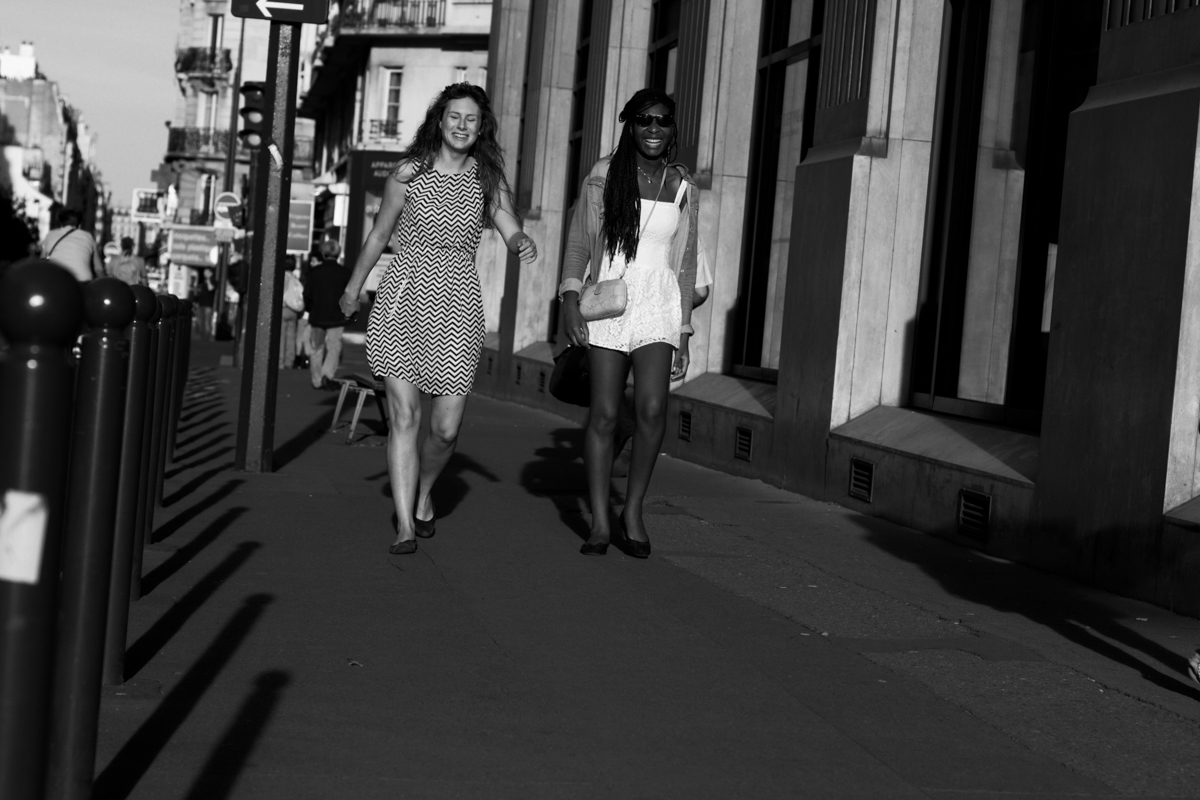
574, 325
349, 304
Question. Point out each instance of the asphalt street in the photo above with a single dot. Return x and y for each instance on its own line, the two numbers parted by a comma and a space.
773, 646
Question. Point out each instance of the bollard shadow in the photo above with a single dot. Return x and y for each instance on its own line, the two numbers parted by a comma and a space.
118, 780
559, 475
295, 447
182, 467
195, 483
139, 654
195, 437
211, 416
190, 550
1054, 602
451, 487
192, 410
228, 758
176, 522
200, 448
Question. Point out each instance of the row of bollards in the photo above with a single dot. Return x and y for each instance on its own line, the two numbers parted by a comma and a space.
85, 435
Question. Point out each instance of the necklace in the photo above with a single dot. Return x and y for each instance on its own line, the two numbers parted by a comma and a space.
649, 176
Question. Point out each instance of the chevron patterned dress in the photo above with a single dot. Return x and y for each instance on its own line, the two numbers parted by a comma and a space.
426, 325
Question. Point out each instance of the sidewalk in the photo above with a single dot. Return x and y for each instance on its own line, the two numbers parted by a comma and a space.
772, 646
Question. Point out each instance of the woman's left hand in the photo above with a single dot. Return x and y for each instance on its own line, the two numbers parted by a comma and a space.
683, 358
527, 250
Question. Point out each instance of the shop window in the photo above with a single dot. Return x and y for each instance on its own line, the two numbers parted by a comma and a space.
1011, 73
785, 99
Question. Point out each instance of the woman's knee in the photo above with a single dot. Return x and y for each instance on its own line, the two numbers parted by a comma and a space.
444, 432
651, 410
403, 416
603, 418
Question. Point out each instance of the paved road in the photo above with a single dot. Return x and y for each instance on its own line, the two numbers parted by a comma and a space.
772, 647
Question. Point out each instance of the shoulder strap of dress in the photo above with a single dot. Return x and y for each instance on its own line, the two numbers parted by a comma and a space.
682, 188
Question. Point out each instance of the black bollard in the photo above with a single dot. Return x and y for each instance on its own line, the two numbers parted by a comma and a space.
125, 537
108, 306
183, 351
41, 308
155, 392
167, 381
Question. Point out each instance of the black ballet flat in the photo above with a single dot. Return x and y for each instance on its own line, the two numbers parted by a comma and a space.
407, 547
594, 549
425, 527
632, 547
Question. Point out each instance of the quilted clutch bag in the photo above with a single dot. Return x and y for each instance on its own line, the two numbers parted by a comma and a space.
604, 299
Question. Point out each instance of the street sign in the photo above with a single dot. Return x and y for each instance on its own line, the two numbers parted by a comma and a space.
315, 11
221, 206
147, 204
300, 227
192, 245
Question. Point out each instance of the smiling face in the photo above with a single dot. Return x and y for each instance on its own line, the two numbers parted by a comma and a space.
653, 140
460, 124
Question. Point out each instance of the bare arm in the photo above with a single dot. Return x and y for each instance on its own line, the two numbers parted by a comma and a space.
97, 262
394, 193
506, 222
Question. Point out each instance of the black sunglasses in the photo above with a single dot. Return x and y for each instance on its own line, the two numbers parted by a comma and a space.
663, 120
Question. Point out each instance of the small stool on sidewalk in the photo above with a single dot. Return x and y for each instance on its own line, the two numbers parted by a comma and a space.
365, 386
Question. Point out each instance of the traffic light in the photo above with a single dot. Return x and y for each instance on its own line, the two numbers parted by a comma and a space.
254, 114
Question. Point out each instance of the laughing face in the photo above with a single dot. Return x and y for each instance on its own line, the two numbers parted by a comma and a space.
460, 124
654, 138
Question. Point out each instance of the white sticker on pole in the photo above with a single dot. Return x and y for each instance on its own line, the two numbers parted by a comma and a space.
22, 536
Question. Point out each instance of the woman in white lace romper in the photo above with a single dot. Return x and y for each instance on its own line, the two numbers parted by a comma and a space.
635, 219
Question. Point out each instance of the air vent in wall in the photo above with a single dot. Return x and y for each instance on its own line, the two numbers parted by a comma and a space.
862, 479
518, 374
685, 425
491, 362
974, 514
541, 380
743, 444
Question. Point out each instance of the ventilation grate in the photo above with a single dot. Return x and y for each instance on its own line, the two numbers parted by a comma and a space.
685, 425
743, 443
518, 374
541, 380
974, 514
491, 363
862, 479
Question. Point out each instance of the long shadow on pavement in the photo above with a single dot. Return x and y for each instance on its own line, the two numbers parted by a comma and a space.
211, 417
1045, 599
559, 475
451, 488
199, 462
293, 448
140, 652
227, 760
190, 550
194, 484
176, 522
195, 437
200, 448
129, 765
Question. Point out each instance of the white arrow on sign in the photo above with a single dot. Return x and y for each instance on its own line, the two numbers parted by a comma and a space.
265, 7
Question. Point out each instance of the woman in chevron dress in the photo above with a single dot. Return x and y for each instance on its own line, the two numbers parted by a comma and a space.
426, 327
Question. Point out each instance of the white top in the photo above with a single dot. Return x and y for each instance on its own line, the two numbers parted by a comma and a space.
71, 248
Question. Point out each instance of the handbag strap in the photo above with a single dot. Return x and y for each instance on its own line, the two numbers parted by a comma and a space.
661, 183
58, 241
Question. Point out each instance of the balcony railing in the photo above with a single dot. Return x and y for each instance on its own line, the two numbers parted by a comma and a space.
202, 61
385, 129
184, 142
360, 15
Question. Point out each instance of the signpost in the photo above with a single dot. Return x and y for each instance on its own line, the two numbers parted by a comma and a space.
192, 245
221, 207
315, 11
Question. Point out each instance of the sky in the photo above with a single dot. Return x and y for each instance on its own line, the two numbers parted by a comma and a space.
115, 61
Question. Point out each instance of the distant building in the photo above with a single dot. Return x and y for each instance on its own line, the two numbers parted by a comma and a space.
48, 151
374, 70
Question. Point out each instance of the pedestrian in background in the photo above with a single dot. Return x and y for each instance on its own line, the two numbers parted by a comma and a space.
73, 248
636, 220
127, 266
426, 327
322, 295
205, 297
293, 307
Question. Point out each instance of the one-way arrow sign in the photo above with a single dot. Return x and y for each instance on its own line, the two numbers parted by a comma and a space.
315, 11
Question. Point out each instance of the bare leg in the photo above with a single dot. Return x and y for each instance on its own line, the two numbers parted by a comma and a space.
404, 419
651, 380
445, 418
607, 369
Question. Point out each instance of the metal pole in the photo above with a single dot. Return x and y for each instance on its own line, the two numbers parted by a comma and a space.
41, 307
221, 327
88, 538
133, 463
256, 412
166, 385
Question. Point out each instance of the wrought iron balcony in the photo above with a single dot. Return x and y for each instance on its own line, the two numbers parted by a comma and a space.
365, 15
202, 61
202, 142
385, 129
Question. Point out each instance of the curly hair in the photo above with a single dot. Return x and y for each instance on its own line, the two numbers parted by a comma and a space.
427, 143
622, 198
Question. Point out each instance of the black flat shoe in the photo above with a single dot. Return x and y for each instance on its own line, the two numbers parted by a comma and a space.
589, 549
407, 547
632, 547
425, 527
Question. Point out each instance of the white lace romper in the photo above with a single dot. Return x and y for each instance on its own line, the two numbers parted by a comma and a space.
652, 313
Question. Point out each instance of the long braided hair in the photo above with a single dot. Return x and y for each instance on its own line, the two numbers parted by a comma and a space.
622, 199
425, 146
